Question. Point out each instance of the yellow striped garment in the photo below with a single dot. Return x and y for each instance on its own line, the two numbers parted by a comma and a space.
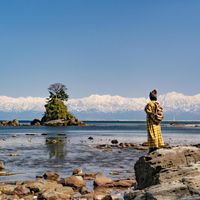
155, 138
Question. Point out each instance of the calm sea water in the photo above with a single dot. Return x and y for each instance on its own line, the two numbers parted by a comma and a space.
34, 156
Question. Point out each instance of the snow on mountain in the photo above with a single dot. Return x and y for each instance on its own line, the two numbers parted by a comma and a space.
104, 103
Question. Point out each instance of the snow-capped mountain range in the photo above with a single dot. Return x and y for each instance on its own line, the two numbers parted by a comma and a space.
172, 102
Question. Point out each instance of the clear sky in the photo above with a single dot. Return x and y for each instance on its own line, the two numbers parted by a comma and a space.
117, 47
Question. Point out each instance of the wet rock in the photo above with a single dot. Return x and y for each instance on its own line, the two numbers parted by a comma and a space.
29, 197
145, 144
53, 195
85, 190
2, 166
168, 174
21, 190
13, 154
124, 183
36, 122
7, 189
103, 197
43, 185
51, 176
4, 173
77, 171
65, 190
44, 134
148, 167
102, 180
9, 197
55, 140
114, 141
90, 138
73, 181
89, 175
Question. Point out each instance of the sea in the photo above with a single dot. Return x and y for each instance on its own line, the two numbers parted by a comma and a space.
26, 153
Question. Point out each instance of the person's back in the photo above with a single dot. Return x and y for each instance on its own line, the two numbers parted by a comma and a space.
155, 139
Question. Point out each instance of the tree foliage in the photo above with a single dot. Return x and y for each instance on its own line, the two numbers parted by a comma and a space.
55, 107
58, 90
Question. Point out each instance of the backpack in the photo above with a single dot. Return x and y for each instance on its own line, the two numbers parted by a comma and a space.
158, 116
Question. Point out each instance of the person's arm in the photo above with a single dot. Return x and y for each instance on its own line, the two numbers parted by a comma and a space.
148, 109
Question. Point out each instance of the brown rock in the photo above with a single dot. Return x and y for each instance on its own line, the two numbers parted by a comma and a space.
2, 165
51, 176
124, 183
65, 190
21, 190
9, 197
77, 171
7, 189
73, 181
85, 190
102, 180
53, 195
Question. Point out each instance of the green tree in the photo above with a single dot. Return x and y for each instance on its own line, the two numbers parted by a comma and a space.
58, 90
55, 107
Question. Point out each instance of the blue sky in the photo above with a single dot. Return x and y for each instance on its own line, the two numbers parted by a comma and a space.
111, 47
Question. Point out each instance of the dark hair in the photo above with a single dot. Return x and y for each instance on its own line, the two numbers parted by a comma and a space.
153, 95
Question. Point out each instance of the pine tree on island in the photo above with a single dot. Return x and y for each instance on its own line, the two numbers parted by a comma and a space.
57, 113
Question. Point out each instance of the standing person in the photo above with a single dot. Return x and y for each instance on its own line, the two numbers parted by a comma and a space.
154, 116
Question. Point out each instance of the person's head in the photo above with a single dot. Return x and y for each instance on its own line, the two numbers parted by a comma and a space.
153, 95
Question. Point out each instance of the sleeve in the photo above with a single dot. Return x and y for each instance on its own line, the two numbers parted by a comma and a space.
148, 109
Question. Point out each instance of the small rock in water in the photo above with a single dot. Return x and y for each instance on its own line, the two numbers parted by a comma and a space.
90, 138
77, 171
2, 165
51, 176
14, 135
73, 181
13, 154
114, 141
44, 134
61, 134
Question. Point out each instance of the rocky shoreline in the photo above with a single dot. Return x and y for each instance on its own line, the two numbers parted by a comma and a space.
37, 122
50, 186
171, 173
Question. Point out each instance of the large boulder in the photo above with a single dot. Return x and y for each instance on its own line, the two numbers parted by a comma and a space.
168, 174
149, 168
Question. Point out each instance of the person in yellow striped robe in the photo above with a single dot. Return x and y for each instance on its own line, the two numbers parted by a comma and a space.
155, 139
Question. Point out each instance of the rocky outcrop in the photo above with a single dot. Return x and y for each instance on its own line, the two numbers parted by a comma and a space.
64, 122
36, 122
168, 174
14, 122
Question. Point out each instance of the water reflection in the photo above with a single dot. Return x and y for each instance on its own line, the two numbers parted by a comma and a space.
56, 147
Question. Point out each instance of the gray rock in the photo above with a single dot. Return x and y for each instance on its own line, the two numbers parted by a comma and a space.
168, 174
